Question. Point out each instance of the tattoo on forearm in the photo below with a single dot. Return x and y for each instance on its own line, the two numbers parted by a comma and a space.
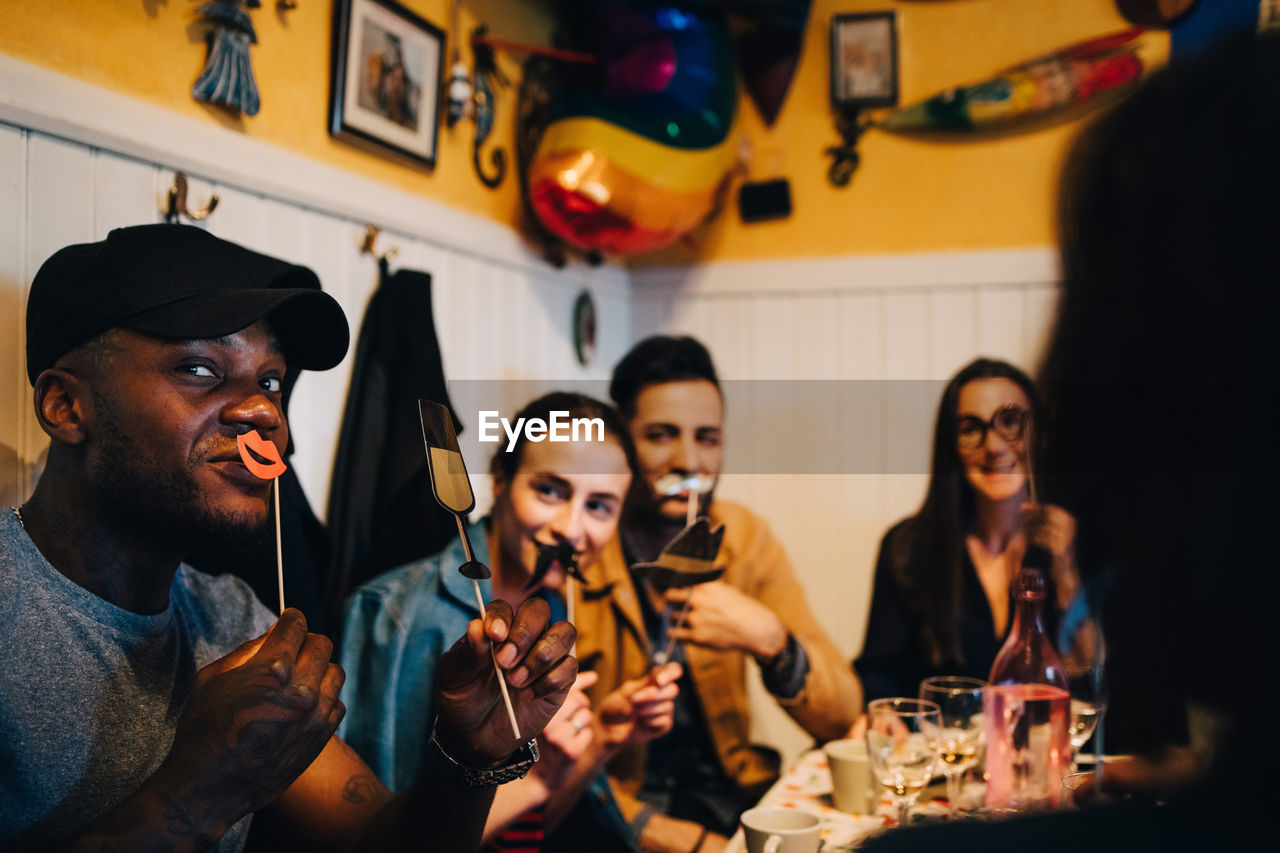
178, 821
360, 788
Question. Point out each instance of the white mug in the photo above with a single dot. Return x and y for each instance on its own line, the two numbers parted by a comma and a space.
777, 830
853, 787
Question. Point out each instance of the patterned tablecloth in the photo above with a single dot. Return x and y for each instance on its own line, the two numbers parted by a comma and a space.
807, 786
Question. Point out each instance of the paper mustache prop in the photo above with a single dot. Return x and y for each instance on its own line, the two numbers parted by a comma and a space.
674, 484
693, 486
548, 556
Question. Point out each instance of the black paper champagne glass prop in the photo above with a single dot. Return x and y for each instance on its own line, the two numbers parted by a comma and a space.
253, 450
452, 490
688, 560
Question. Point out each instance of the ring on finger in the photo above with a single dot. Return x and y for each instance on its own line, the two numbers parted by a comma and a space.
578, 724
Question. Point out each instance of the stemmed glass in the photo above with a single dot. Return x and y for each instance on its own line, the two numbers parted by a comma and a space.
959, 741
899, 732
1083, 657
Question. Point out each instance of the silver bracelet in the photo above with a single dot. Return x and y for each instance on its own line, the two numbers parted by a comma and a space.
517, 767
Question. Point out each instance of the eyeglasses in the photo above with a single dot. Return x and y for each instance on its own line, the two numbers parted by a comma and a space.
1009, 423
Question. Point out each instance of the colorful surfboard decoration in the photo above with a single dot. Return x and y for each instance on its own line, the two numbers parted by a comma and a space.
1030, 90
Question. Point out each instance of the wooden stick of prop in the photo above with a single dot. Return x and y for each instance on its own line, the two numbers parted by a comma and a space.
493, 655
279, 548
569, 582
1030, 461
452, 490
671, 640
252, 446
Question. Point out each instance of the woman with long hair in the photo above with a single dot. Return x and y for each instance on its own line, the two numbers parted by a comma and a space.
940, 604
556, 506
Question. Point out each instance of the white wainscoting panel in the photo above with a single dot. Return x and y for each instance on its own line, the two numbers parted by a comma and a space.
908, 323
497, 318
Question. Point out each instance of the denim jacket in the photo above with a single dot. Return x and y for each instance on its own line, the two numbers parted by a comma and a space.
396, 628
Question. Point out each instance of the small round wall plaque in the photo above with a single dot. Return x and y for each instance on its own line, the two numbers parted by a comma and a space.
584, 327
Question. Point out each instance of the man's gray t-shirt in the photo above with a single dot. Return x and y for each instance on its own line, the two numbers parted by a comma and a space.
90, 694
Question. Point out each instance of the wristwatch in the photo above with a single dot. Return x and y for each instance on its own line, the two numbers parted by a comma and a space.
516, 768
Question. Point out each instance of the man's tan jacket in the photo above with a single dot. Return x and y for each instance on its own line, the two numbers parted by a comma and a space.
613, 643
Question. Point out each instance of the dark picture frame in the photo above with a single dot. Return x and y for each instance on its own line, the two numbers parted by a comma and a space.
384, 93
864, 60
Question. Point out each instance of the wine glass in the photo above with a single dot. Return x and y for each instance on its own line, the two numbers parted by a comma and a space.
899, 732
1069, 797
1084, 657
959, 741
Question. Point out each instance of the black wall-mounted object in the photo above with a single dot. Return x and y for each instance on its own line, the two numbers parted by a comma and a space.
764, 200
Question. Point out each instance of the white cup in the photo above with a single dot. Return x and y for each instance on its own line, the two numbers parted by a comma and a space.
777, 830
853, 787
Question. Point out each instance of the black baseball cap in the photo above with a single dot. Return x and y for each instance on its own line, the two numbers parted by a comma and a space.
178, 281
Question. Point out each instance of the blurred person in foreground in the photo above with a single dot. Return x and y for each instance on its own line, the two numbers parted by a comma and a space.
1163, 383
137, 709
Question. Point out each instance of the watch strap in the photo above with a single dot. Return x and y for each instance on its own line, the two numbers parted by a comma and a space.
517, 767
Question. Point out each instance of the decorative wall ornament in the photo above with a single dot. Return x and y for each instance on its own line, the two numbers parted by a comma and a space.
385, 83
227, 79
1077, 77
864, 60
487, 77
1154, 13
584, 328
864, 73
1029, 91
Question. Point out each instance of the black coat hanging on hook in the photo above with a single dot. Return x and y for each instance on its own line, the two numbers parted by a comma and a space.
381, 510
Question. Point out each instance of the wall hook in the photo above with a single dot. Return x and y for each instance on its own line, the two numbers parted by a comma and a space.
367, 245
178, 202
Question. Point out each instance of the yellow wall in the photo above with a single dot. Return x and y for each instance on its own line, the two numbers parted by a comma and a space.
153, 50
912, 195
908, 195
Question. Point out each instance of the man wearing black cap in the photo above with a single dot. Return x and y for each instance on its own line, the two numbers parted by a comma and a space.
133, 713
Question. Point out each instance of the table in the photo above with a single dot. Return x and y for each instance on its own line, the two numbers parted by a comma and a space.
807, 786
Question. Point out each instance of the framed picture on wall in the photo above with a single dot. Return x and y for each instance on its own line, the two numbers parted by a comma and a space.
864, 59
387, 64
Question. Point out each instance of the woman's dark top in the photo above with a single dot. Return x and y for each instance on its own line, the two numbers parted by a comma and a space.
893, 660
1142, 713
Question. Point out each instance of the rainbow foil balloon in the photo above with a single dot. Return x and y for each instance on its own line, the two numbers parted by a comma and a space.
633, 153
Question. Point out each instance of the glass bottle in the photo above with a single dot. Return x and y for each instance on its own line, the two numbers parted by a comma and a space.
1027, 705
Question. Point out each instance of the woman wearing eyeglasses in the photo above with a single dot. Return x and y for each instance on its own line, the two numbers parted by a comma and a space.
940, 605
